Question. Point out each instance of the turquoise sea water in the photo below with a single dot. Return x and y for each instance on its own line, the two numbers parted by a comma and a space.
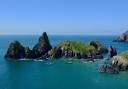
58, 74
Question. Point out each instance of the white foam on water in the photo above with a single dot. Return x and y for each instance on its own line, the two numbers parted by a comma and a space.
24, 59
38, 60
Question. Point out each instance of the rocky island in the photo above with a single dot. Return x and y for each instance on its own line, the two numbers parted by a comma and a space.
122, 38
67, 49
79, 50
116, 64
70, 49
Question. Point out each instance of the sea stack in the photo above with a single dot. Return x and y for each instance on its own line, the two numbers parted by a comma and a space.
15, 51
40, 50
112, 52
42, 47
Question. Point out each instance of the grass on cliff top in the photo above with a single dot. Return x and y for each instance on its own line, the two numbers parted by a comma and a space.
125, 55
77, 46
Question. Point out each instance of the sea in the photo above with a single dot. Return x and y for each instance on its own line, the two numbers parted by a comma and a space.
58, 73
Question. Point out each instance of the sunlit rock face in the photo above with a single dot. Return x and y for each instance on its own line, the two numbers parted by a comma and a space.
77, 49
115, 64
122, 38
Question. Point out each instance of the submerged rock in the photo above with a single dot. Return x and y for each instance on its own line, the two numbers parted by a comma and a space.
15, 51
42, 47
122, 38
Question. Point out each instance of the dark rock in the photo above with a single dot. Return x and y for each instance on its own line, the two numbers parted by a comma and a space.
108, 67
40, 50
15, 51
42, 47
99, 47
112, 51
29, 53
55, 52
122, 38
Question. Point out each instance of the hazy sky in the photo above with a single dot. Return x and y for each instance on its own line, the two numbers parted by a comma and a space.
92, 17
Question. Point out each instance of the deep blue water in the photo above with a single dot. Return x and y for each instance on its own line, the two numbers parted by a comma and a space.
58, 74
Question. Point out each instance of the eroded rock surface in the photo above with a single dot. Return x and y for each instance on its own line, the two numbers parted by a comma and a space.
122, 38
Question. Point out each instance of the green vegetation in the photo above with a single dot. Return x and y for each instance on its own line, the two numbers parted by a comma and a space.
125, 55
77, 46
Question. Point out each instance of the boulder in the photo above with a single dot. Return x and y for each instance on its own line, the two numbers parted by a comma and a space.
15, 51
42, 47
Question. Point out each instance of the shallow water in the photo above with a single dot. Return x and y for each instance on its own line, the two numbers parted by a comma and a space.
58, 74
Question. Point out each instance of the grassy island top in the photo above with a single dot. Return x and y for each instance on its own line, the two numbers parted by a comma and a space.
76, 46
125, 55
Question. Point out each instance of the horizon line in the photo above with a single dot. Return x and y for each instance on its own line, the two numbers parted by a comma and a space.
61, 34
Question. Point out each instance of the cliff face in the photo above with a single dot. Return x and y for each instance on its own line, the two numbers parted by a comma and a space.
42, 47
122, 38
121, 60
79, 50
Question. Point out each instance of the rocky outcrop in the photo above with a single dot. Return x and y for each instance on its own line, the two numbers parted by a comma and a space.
122, 38
15, 51
121, 62
42, 47
115, 64
67, 49
112, 51
76, 49
40, 50
99, 47
29, 53
108, 67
